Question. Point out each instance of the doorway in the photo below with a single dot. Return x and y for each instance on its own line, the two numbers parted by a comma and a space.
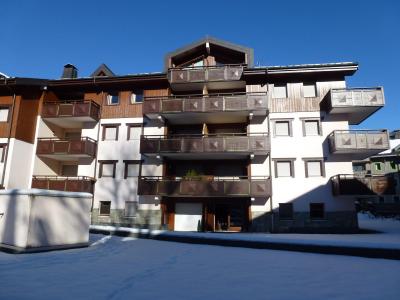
230, 217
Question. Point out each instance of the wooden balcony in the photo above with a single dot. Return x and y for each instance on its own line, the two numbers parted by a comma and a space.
68, 184
209, 108
66, 149
71, 114
205, 186
358, 144
356, 104
215, 77
209, 145
350, 185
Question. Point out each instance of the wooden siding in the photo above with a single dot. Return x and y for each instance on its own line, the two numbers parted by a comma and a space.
25, 123
5, 126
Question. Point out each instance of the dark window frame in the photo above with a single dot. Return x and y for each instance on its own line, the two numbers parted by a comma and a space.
100, 208
315, 89
107, 162
321, 160
3, 156
104, 128
129, 126
280, 85
278, 160
315, 209
131, 162
283, 211
290, 126
303, 124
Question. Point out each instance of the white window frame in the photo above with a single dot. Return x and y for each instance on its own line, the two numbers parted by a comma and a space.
309, 85
278, 87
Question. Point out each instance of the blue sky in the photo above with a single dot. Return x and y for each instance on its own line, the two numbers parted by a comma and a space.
39, 37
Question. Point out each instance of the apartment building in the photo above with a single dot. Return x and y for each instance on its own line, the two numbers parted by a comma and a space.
210, 143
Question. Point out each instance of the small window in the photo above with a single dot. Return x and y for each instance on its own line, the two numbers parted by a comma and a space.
134, 131
137, 96
131, 168
113, 99
286, 211
279, 91
200, 63
311, 127
317, 211
3, 148
314, 168
107, 168
309, 90
105, 208
358, 168
110, 132
392, 165
282, 128
284, 168
130, 209
378, 167
4, 112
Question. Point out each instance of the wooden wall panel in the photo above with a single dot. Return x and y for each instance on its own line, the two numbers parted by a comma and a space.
5, 126
25, 123
123, 110
156, 93
96, 97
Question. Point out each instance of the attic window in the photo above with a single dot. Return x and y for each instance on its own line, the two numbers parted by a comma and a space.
200, 63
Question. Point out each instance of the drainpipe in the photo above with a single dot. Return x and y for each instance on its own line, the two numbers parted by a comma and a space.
8, 141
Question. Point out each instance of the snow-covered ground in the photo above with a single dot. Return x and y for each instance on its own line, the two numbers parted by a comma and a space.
129, 268
387, 236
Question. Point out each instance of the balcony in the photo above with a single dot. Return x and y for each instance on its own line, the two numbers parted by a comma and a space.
199, 146
67, 184
214, 77
356, 104
358, 144
208, 109
350, 185
205, 186
66, 149
71, 114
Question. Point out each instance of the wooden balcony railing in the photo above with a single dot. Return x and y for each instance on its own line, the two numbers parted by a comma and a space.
72, 109
257, 143
60, 183
53, 146
205, 186
350, 185
353, 141
210, 103
205, 74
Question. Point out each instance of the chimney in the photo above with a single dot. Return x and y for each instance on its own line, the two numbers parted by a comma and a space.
70, 72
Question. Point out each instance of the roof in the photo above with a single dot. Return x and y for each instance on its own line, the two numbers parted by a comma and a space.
102, 70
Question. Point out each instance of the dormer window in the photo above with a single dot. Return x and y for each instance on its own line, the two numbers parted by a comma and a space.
113, 99
199, 64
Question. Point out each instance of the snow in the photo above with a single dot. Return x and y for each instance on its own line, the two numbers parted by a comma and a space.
129, 268
388, 235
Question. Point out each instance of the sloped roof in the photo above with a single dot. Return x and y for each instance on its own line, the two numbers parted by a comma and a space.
102, 70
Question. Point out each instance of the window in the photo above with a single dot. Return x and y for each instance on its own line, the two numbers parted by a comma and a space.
279, 91
4, 112
130, 209
309, 90
283, 128
311, 127
378, 167
137, 96
314, 167
105, 208
317, 211
131, 168
134, 131
110, 132
284, 168
358, 168
107, 168
396, 199
200, 63
3, 148
392, 165
286, 211
113, 99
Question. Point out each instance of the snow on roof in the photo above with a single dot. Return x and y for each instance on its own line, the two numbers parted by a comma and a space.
393, 144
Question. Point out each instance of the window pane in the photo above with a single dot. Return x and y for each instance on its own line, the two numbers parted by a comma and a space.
311, 127
134, 132
110, 133
285, 211
107, 170
130, 209
200, 63
113, 99
317, 210
309, 90
105, 207
3, 114
283, 168
314, 168
137, 96
279, 91
132, 170
282, 128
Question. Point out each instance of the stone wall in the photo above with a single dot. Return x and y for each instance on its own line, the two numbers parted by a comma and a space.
143, 219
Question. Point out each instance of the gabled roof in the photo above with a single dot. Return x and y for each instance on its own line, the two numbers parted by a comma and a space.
102, 70
215, 45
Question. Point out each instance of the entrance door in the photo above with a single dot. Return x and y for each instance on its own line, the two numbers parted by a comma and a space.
229, 217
